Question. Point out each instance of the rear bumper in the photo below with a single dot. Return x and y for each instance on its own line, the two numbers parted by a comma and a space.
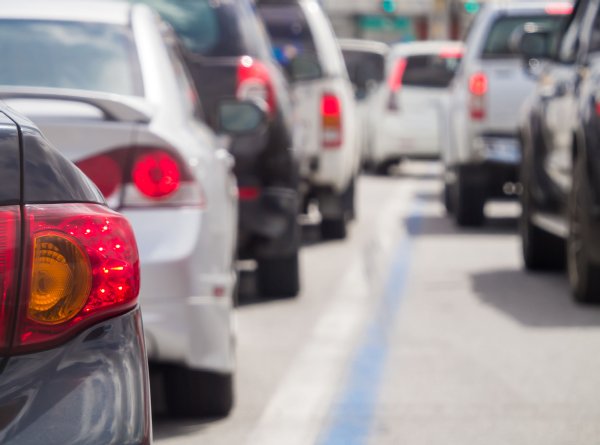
268, 226
397, 137
92, 390
187, 287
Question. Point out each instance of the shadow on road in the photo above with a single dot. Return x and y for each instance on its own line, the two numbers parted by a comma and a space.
443, 225
537, 300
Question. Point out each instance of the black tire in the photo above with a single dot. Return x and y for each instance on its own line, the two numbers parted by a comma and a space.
349, 198
541, 250
197, 394
447, 197
334, 229
279, 277
469, 201
584, 273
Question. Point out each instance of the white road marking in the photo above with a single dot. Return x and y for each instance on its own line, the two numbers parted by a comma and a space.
297, 410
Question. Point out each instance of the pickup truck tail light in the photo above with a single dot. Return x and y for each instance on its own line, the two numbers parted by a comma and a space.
395, 84
143, 177
254, 83
478, 87
64, 268
331, 115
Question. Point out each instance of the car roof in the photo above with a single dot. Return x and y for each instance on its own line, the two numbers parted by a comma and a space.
371, 46
97, 11
426, 47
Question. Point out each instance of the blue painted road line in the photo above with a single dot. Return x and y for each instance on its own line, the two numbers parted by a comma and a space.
353, 412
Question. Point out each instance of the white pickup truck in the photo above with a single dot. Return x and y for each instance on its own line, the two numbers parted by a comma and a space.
328, 139
482, 158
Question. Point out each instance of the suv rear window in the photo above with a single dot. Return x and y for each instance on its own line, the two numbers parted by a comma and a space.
59, 54
364, 66
498, 42
289, 31
431, 70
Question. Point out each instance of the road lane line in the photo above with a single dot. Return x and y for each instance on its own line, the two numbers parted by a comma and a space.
296, 412
353, 412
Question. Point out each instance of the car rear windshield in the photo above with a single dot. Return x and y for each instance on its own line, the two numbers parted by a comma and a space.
430, 70
289, 31
364, 66
85, 56
209, 28
499, 40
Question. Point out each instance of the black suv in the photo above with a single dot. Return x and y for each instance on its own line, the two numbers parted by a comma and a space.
561, 161
228, 54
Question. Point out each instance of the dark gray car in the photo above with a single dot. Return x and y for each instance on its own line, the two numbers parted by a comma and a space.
73, 365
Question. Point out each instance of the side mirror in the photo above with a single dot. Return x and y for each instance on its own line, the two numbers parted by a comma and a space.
239, 117
305, 67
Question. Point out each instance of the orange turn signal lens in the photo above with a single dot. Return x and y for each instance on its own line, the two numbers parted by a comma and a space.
61, 279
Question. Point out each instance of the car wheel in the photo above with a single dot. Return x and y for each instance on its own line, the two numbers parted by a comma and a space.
469, 201
584, 273
279, 277
541, 250
349, 198
190, 393
448, 202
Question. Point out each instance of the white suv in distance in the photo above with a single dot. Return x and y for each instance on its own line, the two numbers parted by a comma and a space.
411, 112
491, 86
327, 132
109, 90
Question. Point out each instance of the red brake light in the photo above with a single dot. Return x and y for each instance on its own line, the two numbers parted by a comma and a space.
331, 114
81, 267
142, 177
478, 84
156, 174
248, 193
561, 8
395, 80
254, 83
9, 230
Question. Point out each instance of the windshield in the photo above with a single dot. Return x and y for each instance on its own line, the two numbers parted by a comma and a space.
498, 42
85, 56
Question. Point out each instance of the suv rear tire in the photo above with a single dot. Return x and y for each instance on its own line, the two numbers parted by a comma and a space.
279, 277
190, 393
584, 273
541, 250
469, 201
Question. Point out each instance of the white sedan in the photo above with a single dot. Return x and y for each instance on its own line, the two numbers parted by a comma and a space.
105, 83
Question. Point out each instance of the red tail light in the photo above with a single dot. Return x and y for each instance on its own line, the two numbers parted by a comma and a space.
395, 80
143, 176
561, 8
248, 193
81, 266
395, 84
156, 174
331, 114
254, 83
478, 87
9, 248
451, 53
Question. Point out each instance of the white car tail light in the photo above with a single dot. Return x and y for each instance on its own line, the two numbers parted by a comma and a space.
478, 87
331, 115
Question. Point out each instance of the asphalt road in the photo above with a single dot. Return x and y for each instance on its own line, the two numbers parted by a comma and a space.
412, 332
